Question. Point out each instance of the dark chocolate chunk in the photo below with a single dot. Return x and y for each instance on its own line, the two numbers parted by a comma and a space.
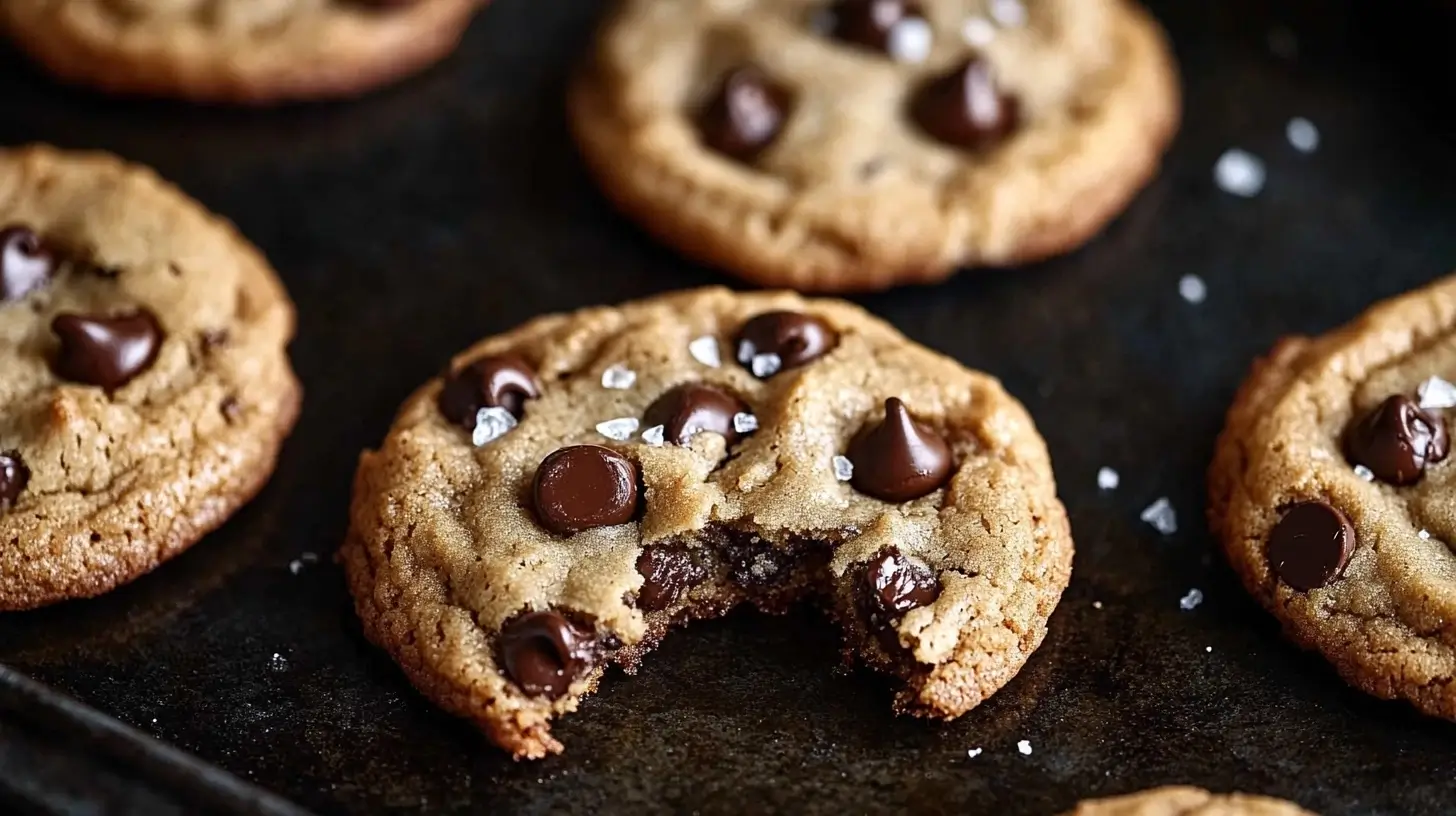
965, 108
899, 459
544, 653
585, 486
1310, 546
1397, 441
106, 351
500, 381
745, 114
667, 571
14, 476
872, 23
774, 341
692, 408
25, 264
895, 585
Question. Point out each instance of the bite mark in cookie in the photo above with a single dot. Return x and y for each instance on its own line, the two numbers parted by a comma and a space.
949, 553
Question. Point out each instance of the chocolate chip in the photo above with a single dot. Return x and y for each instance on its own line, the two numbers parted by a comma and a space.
501, 381
231, 409
544, 653
1397, 440
14, 476
745, 114
667, 571
106, 351
693, 408
871, 23
899, 459
585, 486
965, 108
791, 339
25, 265
1310, 546
895, 585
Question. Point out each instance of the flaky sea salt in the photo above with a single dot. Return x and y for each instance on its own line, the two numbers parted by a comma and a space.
618, 377
620, 429
1436, 393
764, 366
843, 468
654, 435
973, 753
745, 423
1239, 172
1024, 746
1162, 516
1188, 602
1009, 13
1192, 289
491, 424
1364, 473
705, 350
909, 40
1302, 134
295, 566
1425, 535
1096, 604
1107, 479
978, 32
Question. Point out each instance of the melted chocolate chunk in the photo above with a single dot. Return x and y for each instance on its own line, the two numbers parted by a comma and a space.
692, 408
872, 23
106, 351
14, 476
544, 653
895, 585
791, 339
668, 570
1397, 441
745, 114
585, 486
899, 459
501, 381
965, 108
1311, 545
25, 264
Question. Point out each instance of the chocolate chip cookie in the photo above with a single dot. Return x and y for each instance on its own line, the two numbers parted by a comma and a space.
144, 384
843, 145
238, 51
1185, 801
567, 492
1335, 496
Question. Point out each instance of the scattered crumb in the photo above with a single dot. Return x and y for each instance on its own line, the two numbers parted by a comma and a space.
1024, 747
1191, 600
1239, 172
1107, 479
1162, 516
1302, 134
1192, 289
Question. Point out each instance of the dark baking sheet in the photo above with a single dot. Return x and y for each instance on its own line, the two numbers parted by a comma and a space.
411, 223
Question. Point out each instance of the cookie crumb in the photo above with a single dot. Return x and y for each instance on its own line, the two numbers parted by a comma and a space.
618, 377
973, 753
1365, 473
1024, 746
1192, 289
705, 350
1436, 393
1009, 13
1190, 601
1162, 516
1302, 134
1424, 534
1096, 604
654, 436
1239, 172
618, 430
745, 423
1107, 479
278, 663
491, 424
843, 468
765, 365
910, 41
978, 32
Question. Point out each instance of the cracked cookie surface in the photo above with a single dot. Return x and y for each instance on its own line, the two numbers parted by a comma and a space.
1187, 801
668, 459
1332, 492
238, 51
146, 386
813, 145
